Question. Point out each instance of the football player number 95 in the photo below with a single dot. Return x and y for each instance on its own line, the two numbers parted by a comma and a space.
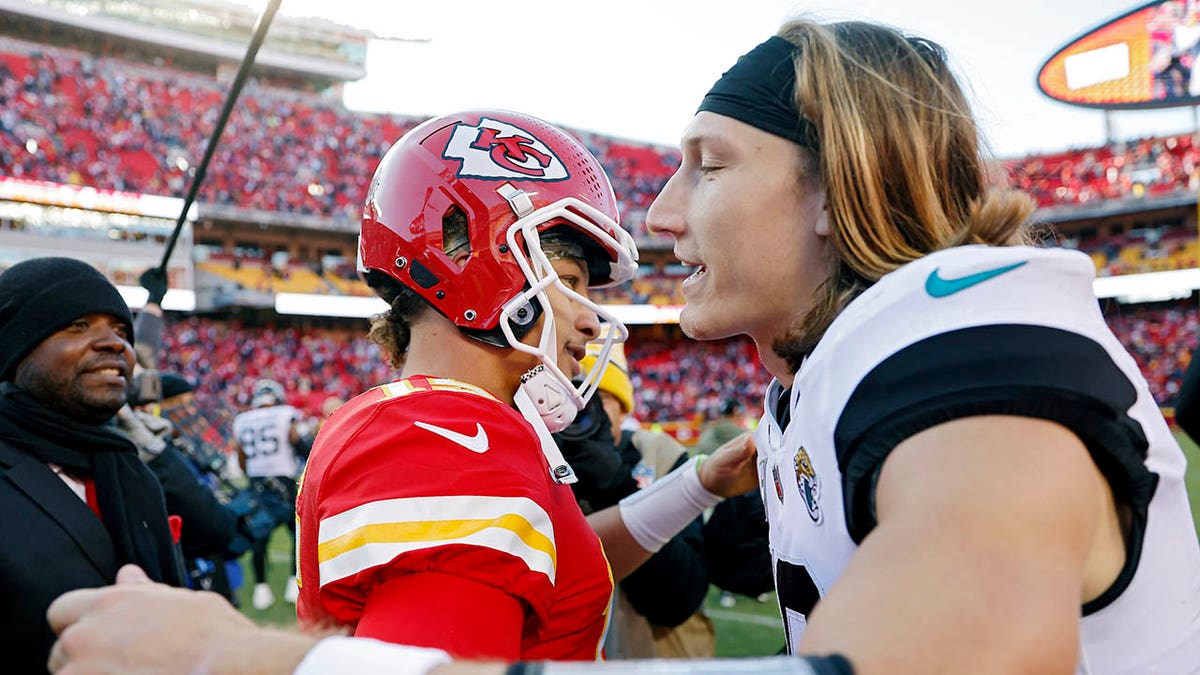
259, 442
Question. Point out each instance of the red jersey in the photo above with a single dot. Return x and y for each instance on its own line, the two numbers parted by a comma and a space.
434, 475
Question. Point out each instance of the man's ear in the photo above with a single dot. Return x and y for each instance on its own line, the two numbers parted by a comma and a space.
821, 224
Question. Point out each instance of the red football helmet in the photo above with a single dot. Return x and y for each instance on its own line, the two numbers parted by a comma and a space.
512, 177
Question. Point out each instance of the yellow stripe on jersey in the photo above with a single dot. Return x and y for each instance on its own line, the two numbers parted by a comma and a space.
439, 531
414, 385
374, 534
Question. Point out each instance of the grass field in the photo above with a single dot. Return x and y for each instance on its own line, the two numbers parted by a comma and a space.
749, 628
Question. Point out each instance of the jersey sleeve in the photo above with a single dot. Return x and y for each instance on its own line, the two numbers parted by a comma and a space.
434, 482
1009, 369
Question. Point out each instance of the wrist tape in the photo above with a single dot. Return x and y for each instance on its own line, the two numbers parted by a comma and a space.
657, 513
365, 656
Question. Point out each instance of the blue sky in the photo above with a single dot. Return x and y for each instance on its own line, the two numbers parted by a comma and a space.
637, 68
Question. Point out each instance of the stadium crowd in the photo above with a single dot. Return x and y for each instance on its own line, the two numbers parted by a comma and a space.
675, 380
117, 123
72, 117
1162, 342
1139, 168
224, 360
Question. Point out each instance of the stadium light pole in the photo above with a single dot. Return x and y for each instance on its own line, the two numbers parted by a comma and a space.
243, 73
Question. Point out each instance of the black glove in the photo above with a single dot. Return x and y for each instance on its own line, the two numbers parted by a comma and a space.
154, 280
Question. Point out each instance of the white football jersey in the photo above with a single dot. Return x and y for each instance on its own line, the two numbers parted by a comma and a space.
978, 330
263, 433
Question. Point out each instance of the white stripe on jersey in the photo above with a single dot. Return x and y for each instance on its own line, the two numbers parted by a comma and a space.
375, 533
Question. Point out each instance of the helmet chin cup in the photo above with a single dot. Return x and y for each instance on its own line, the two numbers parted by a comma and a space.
556, 406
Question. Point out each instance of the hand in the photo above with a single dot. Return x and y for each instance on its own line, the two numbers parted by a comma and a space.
149, 444
731, 469
138, 627
154, 280
159, 426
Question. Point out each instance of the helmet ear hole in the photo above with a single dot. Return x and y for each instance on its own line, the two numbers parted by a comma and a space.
456, 237
422, 275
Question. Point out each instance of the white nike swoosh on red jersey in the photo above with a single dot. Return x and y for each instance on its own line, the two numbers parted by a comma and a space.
477, 443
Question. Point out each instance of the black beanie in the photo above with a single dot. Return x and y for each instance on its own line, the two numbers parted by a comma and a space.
41, 296
174, 385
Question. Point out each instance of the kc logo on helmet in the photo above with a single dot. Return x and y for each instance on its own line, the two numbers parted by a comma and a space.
498, 151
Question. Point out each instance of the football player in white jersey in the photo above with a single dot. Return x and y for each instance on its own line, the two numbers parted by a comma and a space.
267, 436
962, 468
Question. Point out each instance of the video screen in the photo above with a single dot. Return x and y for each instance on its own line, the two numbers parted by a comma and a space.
1143, 59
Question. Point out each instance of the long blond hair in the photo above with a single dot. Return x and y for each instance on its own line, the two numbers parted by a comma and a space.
899, 156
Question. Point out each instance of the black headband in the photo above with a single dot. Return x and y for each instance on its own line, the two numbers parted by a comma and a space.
759, 91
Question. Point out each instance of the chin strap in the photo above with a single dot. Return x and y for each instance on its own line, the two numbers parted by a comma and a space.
560, 471
554, 406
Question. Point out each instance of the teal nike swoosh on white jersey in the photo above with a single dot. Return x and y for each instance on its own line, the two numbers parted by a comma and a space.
939, 287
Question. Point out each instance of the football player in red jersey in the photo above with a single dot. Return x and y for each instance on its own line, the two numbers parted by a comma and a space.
435, 510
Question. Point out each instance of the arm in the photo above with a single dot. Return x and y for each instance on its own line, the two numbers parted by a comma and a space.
984, 529
464, 617
671, 585
663, 509
241, 453
624, 553
139, 628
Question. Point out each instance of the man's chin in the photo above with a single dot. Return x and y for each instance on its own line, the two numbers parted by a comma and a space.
695, 324
103, 407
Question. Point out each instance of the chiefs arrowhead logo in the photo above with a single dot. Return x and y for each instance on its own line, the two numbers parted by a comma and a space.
494, 150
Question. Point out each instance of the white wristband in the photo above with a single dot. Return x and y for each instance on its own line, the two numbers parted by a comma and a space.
364, 656
659, 512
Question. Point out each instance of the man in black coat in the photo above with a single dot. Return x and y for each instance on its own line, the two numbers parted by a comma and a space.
77, 503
